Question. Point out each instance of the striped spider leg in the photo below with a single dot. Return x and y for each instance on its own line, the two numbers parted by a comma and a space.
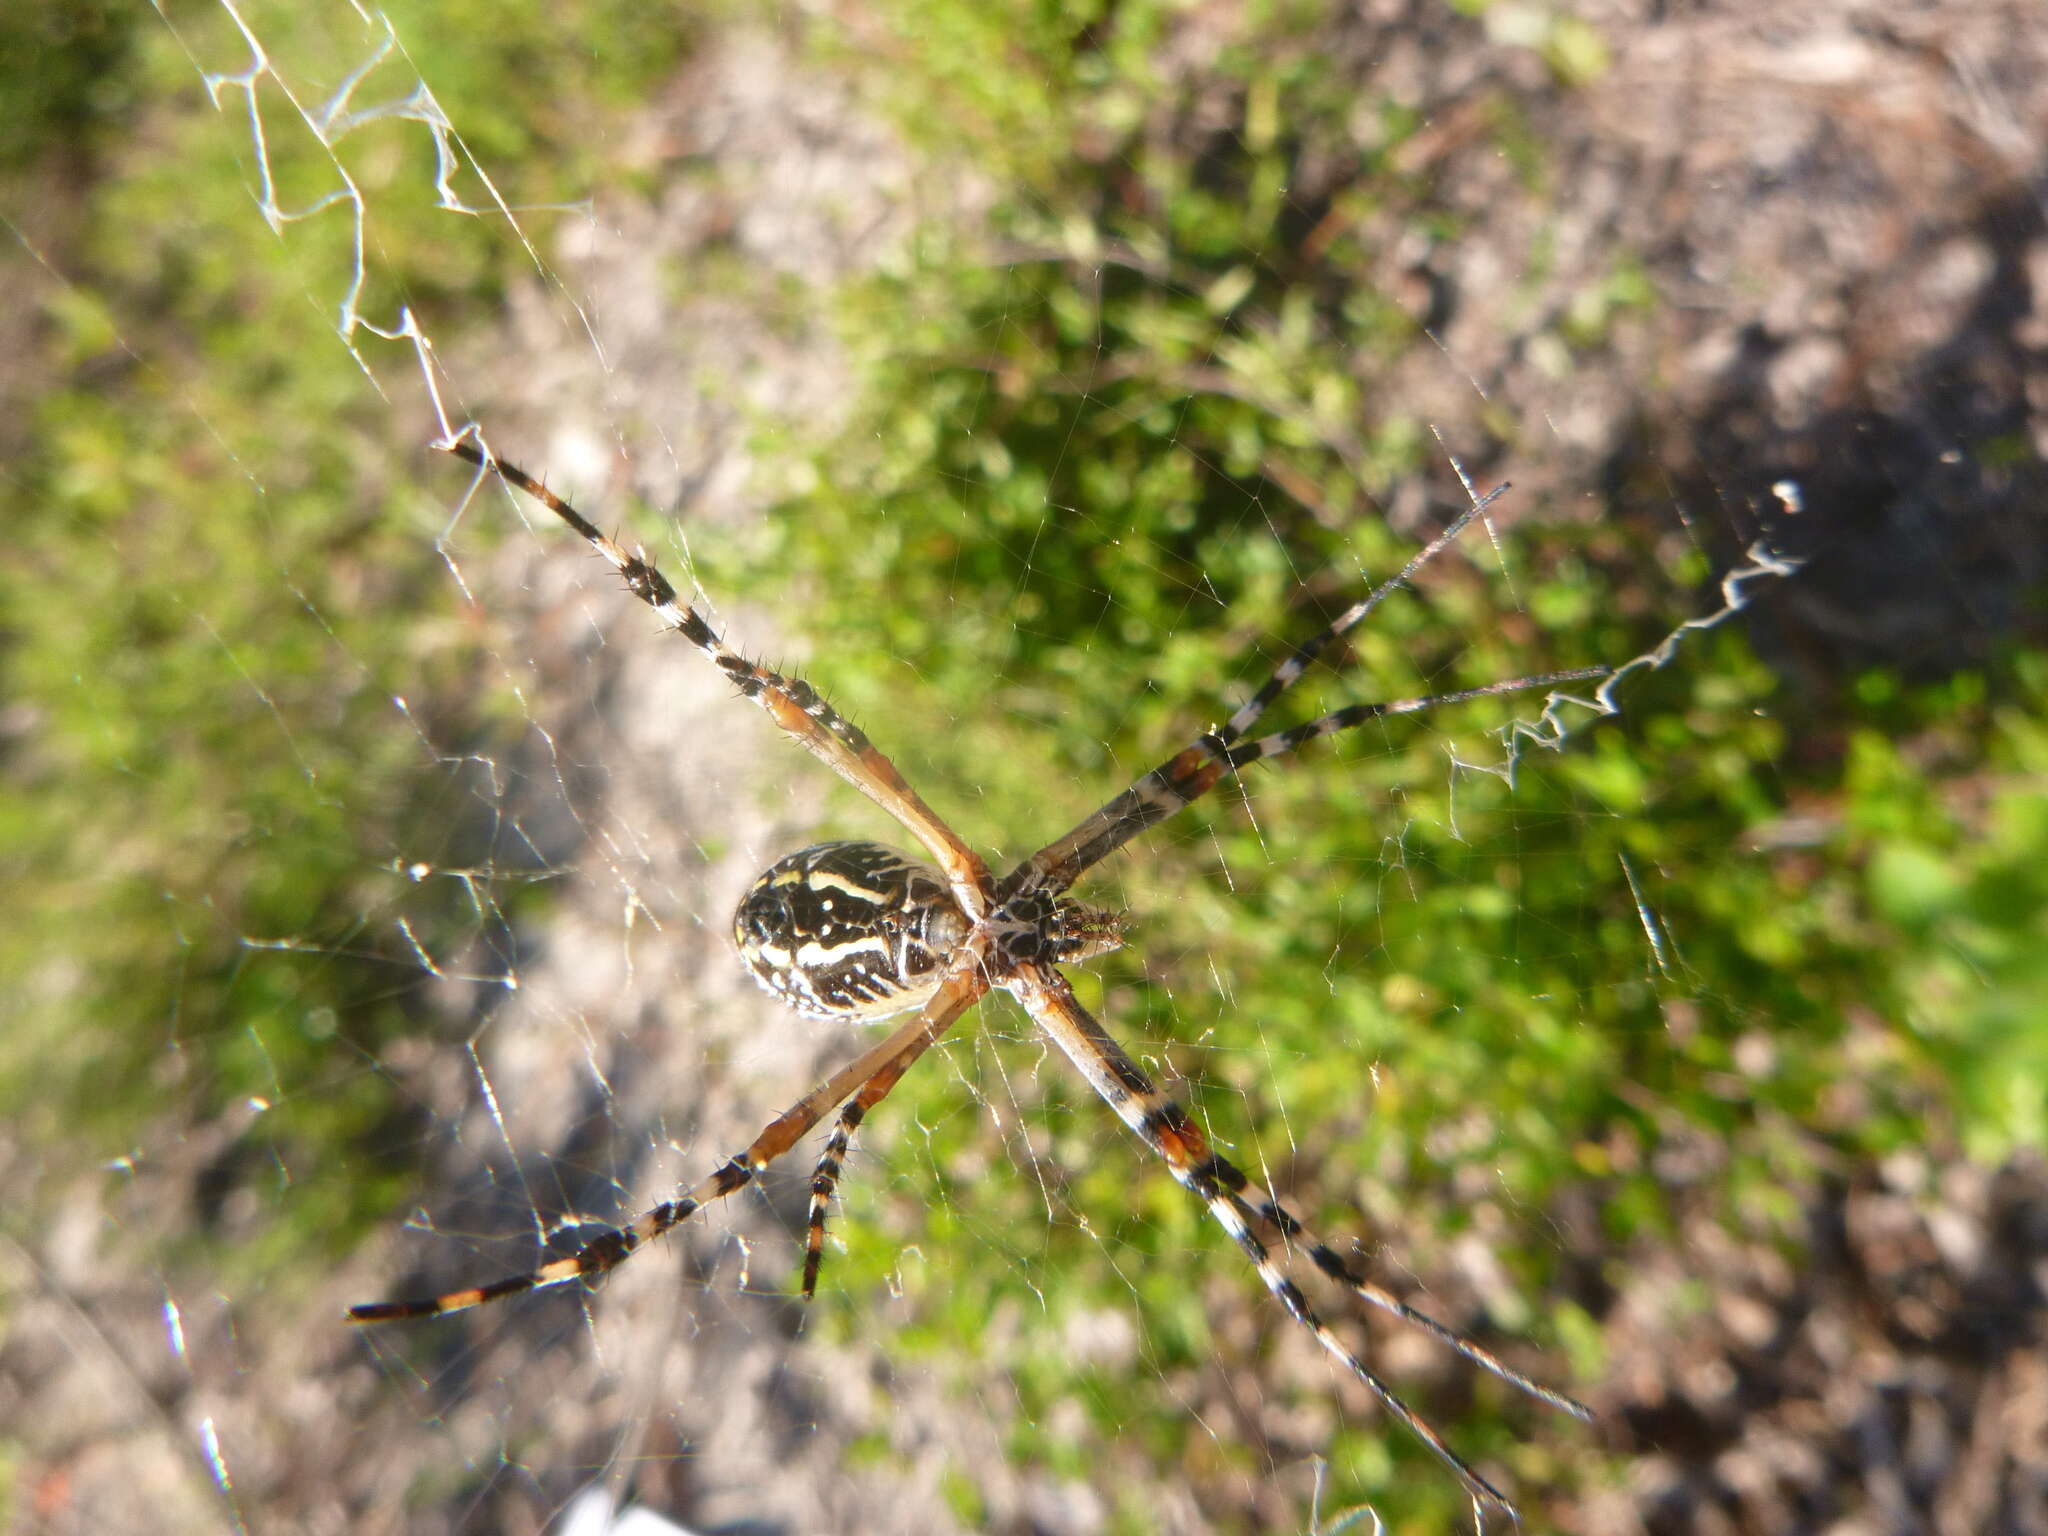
790, 702
1242, 1209
855, 932
883, 1063
1195, 770
941, 991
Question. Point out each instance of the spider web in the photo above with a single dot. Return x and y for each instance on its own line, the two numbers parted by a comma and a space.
550, 916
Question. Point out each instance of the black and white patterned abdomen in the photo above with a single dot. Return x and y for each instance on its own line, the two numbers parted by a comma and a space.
850, 931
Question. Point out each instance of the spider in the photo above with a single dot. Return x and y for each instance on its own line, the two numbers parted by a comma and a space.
856, 932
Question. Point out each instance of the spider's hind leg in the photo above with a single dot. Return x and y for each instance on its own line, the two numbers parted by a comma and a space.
1241, 1208
824, 1183
825, 1177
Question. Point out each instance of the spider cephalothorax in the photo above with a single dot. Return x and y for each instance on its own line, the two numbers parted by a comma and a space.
856, 931
1031, 923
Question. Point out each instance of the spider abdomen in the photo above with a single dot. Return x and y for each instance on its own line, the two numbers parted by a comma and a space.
851, 931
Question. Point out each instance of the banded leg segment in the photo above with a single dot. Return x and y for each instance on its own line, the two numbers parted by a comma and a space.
884, 1061
791, 702
1289, 671
1282, 742
1198, 767
824, 1183
1240, 1207
1192, 772
825, 1178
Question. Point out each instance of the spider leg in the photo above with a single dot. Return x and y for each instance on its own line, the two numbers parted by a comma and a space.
1332, 1264
885, 1061
1196, 769
1238, 1207
791, 702
825, 1178
1285, 675
824, 1182
1193, 771
1282, 742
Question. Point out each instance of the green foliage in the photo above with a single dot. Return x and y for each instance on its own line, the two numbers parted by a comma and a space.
212, 780
1085, 478
1112, 455
65, 70
1945, 845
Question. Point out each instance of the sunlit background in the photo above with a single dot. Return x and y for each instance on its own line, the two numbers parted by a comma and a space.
1030, 377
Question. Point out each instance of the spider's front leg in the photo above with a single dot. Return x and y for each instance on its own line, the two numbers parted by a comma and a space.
793, 704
